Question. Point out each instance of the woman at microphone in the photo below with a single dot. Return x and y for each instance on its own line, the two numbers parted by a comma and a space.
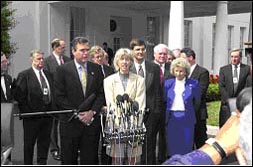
121, 89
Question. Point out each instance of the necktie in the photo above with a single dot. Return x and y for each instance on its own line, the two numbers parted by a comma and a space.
44, 88
61, 61
161, 74
141, 72
83, 79
102, 67
235, 79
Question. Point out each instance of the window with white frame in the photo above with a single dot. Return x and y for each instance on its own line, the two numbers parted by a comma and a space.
116, 44
242, 40
152, 37
230, 39
187, 33
77, 22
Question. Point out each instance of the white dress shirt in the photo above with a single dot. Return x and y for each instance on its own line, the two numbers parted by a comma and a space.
3, 86
58, 58
178, 103
38, 77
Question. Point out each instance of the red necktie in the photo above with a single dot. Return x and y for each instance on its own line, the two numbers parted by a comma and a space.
61, 61
161, 74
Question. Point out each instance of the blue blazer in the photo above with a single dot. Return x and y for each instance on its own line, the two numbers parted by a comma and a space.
191, 96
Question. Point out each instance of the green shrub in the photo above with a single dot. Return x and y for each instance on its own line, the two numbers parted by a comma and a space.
7, 23
213, 93
213, 109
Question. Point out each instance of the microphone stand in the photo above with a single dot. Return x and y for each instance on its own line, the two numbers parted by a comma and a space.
74, 111
46, 112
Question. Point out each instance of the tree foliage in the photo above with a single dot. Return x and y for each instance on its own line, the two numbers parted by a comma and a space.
7, 23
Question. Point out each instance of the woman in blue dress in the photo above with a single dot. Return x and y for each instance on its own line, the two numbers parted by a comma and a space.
183, 98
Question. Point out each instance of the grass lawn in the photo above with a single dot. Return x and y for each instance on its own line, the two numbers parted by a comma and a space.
213, 109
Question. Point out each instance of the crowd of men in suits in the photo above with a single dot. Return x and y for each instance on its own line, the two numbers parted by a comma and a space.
57, 82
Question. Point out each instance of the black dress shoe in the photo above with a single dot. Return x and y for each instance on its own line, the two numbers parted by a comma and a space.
56, 155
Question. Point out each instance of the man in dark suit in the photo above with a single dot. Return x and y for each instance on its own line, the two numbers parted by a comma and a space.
161, 52
97, 55
35, 94
51, 62
110, 53
232, 80
6, 84
6, 81
202, 75
151, 72
75, 81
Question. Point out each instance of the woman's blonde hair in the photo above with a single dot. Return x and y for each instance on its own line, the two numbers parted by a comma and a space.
95, 49
180, 62
119, 54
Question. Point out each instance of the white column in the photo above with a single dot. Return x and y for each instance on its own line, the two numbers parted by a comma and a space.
250, 28
221, 36
176, 25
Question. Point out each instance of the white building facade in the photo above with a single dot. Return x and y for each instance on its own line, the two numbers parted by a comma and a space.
117, 23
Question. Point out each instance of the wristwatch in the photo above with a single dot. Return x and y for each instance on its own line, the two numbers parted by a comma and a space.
217, 147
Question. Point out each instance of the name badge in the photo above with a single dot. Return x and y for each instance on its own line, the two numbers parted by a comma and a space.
45, 91
235, 80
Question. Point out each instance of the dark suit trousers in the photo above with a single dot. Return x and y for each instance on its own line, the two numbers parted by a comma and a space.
36, 129
200, 135
85, 141
224, 114
105, 159
54, 136
162, 155
149, 148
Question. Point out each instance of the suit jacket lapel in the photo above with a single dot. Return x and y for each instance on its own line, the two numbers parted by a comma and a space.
118, 85
242, 73
133, 69
166, 71
54, 61
2, 93
195, 72
90, 76
36, 81
149, 76
75, 74
130, 84
7, 85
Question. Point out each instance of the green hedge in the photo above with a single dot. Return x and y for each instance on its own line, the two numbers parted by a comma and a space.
213, 93
213, 109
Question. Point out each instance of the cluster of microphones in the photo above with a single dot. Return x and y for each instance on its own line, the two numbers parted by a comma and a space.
126, 119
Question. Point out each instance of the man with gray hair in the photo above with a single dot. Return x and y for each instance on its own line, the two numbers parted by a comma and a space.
232, 80
161, 52
34, 93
